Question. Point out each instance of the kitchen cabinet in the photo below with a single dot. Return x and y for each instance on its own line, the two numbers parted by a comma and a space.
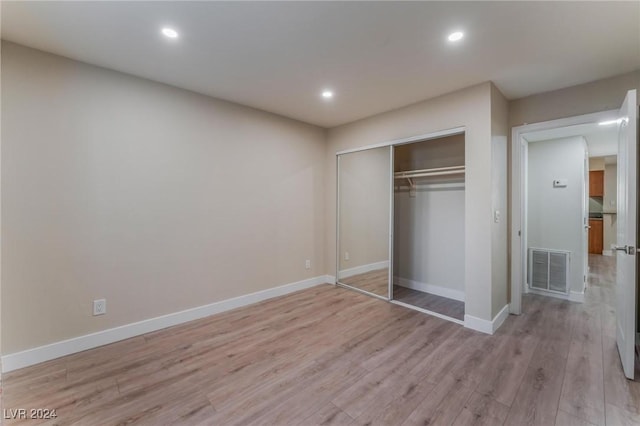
595, 236
596, 183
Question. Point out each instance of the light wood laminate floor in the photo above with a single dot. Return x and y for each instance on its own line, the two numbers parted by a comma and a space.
377, 282
328, 355
431, 302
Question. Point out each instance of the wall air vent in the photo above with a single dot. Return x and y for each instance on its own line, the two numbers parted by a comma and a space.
549, 270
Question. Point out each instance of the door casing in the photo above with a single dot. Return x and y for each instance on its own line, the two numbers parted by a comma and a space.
518, 203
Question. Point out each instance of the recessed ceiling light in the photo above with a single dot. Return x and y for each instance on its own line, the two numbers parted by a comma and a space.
456, 36
169, 32
327, 94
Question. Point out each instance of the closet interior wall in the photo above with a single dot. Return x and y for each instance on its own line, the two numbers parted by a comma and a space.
429, 231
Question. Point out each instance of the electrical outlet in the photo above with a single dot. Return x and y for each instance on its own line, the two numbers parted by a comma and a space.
99, 307
307, 264
346, 255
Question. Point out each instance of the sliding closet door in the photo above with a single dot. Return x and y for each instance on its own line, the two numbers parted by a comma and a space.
364, 209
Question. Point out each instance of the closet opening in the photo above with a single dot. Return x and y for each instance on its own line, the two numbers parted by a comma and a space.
400, 222
429, 233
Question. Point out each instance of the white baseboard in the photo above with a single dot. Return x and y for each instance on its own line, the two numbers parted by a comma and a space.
576, 296
573, 296
430, 288
426, 311
500, 318
478, 324
485, 326
51, 351
548, 294
346, 273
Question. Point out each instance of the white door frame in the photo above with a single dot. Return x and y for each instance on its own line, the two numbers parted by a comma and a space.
519, 195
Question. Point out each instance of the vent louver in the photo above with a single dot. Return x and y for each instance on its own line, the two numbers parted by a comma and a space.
548, 270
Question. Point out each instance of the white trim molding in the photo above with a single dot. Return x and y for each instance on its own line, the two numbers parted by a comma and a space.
563, 296
426, 311
576, 296
417, 138
572, 296
51, 351
485, 326
519, 195
357, 270
438, 290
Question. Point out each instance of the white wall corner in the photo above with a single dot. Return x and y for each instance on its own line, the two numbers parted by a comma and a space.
54, 350
485, 326
577, 296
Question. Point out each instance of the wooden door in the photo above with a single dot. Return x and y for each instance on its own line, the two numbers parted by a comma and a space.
595, 236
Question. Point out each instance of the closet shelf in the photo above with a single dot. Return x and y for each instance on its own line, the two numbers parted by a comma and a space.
439, 171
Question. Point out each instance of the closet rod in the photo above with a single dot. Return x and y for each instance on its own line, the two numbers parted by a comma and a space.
430, 172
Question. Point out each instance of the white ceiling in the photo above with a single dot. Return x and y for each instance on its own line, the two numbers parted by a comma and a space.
601, 140
377, 56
